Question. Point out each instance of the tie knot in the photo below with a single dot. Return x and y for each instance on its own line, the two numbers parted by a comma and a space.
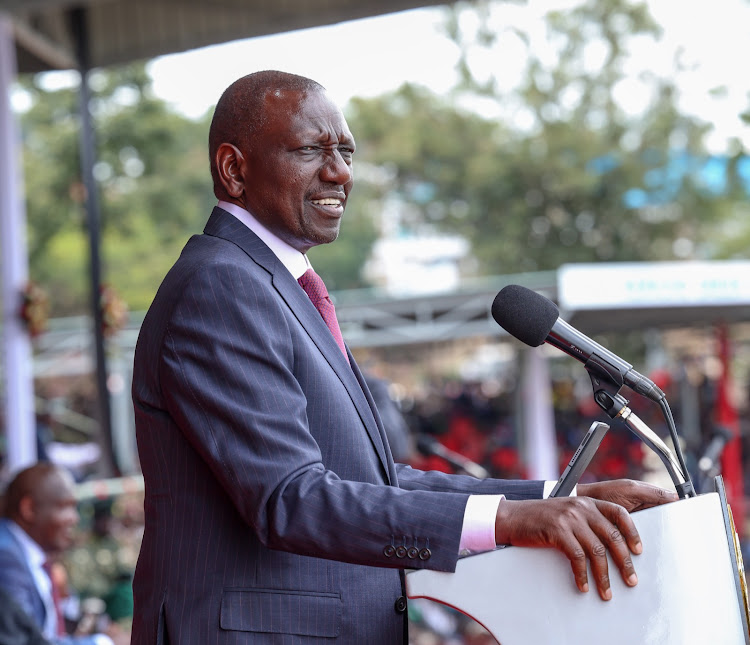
316, 290
313, 285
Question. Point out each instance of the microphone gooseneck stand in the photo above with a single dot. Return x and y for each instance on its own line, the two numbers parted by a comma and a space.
607, 384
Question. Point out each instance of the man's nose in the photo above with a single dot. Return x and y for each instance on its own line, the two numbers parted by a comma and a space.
336, 170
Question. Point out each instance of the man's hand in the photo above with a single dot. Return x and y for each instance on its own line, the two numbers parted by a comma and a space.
583, 528
631, 495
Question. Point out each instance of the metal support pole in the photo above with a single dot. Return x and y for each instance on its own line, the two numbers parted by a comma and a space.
87, 149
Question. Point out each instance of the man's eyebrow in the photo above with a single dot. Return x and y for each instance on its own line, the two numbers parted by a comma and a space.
321, 136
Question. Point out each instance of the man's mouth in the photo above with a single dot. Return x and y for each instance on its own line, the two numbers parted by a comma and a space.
327, 202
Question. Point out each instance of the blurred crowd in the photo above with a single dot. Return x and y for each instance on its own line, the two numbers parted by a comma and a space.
480, 422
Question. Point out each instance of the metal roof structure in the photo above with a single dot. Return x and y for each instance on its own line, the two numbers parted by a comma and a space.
125, 30
369, 318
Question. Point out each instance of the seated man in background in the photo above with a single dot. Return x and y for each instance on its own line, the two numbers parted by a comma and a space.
40, 516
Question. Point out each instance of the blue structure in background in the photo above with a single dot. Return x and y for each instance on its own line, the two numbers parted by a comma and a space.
662, 184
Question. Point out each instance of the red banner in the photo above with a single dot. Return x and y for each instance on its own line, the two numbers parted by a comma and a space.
725, 415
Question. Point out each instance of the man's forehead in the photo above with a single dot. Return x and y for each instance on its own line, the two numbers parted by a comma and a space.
304, 113
57, 485
280, 98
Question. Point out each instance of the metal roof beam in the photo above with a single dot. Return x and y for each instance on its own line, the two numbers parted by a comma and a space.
40, 46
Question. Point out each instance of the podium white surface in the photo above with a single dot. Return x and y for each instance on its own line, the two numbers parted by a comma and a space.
688, 590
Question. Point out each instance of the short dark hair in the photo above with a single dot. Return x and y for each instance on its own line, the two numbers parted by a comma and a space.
26, 482
240, 113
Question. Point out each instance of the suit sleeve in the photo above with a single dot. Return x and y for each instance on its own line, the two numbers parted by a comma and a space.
414, 479
228, 372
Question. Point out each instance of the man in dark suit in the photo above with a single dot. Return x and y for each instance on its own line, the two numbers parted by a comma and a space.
40, 517
274, 510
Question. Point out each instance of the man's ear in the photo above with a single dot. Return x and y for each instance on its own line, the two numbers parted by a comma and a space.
230, 164
26, 509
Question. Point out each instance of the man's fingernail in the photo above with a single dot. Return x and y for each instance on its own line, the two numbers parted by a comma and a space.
633, 580
585, 587
607, 594
638, 548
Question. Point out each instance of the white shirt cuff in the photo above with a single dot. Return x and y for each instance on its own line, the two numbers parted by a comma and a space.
478, 531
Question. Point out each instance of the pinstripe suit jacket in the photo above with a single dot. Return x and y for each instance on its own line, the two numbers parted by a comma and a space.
271, 495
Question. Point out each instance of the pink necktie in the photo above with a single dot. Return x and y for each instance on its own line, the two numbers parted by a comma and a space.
315, 288
56, 598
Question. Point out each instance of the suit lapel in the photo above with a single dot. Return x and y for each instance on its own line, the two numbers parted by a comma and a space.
224, 225
311, 320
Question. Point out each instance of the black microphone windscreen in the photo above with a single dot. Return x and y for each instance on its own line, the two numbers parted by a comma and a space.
525, 314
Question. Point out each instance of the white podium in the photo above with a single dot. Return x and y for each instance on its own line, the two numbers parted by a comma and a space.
690, 589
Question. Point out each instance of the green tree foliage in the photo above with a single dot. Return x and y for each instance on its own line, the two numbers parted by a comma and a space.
153, 178
563, 173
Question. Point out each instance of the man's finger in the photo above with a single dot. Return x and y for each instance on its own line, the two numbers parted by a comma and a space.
573, 550
597, 555
622, 520
621, 538
658, 496
620, 552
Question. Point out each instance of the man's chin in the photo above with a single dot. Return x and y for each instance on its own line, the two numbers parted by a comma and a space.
323, 237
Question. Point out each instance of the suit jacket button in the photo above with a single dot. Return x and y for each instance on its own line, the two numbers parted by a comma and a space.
425, 554
389, 551
400, 605
413, 552
400, 551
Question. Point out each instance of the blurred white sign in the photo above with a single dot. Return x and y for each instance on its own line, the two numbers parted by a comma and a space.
657, 284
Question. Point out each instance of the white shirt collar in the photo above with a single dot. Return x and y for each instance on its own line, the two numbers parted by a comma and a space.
296, 262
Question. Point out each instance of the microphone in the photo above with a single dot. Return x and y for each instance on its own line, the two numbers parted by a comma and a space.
534, 319
429, 447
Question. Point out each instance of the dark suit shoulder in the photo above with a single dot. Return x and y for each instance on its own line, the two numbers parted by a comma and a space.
213, 281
